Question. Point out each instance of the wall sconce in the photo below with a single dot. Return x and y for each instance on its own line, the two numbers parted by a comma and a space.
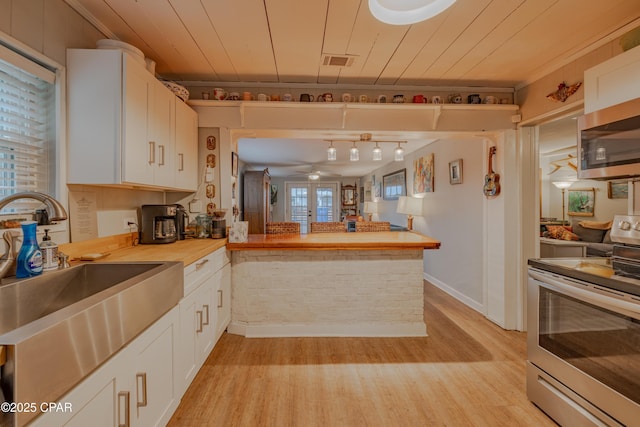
404, 12
411, 207
370, 208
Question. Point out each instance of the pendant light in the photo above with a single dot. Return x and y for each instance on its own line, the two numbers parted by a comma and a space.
354, 153
332, 153
405, 12
377, 153
398, 154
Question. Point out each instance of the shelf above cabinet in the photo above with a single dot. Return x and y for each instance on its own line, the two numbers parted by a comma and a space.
355, 116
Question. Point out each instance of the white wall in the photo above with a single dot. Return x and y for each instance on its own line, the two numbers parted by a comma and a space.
605, 208
453, 214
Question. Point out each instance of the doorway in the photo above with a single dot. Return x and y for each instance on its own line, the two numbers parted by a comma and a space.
308, 202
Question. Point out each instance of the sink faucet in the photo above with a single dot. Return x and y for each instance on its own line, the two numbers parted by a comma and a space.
56, 213
54, 208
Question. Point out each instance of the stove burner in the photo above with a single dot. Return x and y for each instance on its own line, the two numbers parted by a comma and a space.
625, 258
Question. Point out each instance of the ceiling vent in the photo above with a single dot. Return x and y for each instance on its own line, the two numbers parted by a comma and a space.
338, 60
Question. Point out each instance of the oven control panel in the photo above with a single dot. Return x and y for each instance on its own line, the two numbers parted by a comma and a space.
626, 229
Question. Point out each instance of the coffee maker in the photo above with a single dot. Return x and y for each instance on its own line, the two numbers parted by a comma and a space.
158, 224
182, 220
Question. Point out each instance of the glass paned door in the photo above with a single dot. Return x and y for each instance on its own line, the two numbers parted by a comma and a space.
311, 202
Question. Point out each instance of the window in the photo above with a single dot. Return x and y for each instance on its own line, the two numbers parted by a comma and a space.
27, 129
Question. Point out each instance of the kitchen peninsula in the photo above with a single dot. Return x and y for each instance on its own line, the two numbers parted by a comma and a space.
329, 284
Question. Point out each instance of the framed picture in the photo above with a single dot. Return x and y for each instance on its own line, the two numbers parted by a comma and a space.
582, 202
618, 189
366, 193
423, 178
455, 172
394, 185
234, 164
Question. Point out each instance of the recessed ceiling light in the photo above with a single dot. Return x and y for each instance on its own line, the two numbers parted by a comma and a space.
404, 12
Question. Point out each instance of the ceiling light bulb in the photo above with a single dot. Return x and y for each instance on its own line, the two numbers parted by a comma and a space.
354, 153
314, 176
404, 12
398, 154
377, 153
332, 153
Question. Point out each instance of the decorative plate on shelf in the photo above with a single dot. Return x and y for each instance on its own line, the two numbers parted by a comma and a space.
180, 91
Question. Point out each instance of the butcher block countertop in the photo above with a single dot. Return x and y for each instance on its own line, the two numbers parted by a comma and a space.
121, 248
383, 240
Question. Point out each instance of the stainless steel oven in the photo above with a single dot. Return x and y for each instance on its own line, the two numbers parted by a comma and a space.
609, 142
583, 350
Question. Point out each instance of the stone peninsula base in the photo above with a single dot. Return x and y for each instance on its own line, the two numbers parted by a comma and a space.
355, 293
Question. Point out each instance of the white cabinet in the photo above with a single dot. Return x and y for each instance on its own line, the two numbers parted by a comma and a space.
134, 388
196, 333
613, 81
153, 398
202, 320
223, 295
186, 147
142, 384
122, 124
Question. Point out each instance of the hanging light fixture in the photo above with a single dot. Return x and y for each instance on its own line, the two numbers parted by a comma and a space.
405, 12
377, 153
354, 153
314, 176
398, 154
332, 153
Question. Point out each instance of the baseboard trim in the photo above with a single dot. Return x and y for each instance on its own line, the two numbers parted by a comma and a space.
370, 329
455, 293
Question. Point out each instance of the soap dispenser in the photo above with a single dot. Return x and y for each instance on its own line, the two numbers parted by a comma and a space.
29, 261
49, 250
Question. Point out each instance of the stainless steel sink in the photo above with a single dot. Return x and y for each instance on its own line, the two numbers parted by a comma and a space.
60, 326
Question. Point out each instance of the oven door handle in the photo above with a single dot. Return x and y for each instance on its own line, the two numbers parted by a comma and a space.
586, 294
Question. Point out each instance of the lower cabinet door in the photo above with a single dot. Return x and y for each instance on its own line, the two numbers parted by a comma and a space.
197, 330
206, 319
187, 361
224, 300
153, 399
100, 410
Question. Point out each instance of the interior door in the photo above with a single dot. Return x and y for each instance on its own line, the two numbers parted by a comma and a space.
311, 202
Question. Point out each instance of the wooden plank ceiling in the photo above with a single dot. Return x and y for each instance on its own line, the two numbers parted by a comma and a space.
494, 43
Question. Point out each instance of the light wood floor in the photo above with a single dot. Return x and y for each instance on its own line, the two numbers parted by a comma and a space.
467, 372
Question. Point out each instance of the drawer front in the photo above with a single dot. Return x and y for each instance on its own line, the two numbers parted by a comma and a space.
197, 272
219, 259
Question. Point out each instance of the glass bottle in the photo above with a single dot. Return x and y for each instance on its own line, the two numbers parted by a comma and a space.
29, 262
49, 250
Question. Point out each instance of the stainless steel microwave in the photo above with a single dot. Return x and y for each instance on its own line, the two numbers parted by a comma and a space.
609, 142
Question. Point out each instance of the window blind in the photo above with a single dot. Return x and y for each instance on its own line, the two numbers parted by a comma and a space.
27, 129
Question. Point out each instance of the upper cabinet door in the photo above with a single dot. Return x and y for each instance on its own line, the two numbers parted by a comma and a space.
161, 133
122, 125
186, 147
139, 150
